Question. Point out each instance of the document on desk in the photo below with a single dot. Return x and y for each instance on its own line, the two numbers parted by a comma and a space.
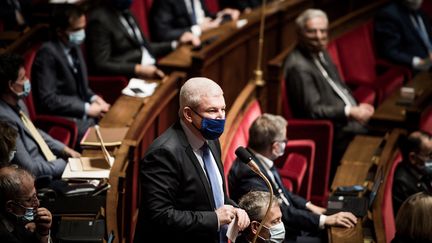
139, 88
86, 167
233, 230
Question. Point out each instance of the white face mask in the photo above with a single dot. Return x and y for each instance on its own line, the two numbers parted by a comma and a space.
77, 37
280, 149
277, 233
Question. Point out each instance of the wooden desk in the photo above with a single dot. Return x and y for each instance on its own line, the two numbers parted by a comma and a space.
231, 58
391, 114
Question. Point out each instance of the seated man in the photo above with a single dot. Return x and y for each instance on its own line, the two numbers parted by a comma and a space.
36, 151
414, 173
403, 34
21, 218
255, 204
314, 87
59, 73
171, 19
267, 141
116, 44
8, 137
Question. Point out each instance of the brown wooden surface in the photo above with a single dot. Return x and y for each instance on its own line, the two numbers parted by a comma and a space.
392, 114
231, 58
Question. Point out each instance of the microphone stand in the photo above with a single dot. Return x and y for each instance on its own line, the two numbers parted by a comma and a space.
259, 81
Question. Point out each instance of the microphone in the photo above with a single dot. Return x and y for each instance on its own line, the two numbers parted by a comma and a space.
246, 157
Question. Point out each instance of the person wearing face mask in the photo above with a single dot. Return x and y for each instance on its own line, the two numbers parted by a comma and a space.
8, 137
183, 191
315, 88
59, 73
35, 150
116, 44
21, 218
303, 220
403, 34
255, 204
414, 173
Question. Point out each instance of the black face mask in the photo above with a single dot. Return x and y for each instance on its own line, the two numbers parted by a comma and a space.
121, 4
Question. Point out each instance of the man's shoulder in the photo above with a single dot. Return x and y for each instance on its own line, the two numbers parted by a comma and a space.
171, 139
297, 60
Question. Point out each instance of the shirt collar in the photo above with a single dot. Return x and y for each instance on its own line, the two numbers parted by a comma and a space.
195, 141
268, 163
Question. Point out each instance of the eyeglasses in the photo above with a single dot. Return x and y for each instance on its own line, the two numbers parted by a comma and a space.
31, 200
280, 141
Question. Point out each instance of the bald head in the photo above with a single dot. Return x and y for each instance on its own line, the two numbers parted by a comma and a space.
194, 89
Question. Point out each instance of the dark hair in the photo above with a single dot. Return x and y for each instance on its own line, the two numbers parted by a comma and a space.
64, 14
10, 65
411, 143
7, 141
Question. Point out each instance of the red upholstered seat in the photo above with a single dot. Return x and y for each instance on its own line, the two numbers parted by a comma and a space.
387, 202
297, 165
212, 6
59, 128
363, 94
426, 120
140, 9
321, 133
360, 66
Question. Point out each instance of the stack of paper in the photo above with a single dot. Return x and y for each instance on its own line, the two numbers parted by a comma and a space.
139, 88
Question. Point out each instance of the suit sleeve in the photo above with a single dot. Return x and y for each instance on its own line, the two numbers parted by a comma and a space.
161, 22
161, 49
160, 181
303, 93
388, 38
44, 74
99, 41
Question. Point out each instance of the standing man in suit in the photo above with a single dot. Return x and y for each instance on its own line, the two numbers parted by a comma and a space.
414, 173
36, 151
116, 44
182, 178
267, 142
172, 19
314, 87
59, 73
403, 34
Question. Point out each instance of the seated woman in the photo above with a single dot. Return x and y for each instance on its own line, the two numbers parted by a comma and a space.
414, 219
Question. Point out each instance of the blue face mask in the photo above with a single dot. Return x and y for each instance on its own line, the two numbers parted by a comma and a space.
77, 37
428, 167
28, 216
26, 90
211, 129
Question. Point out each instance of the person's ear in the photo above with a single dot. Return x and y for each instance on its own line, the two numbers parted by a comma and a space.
187, 113
254, 227
412, 158
9, 206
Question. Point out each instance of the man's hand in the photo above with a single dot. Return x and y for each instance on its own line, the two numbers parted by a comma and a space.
189, 37
242, 218
343, 219
362, 113
148, 71
71, 153
234, 13
226, 214
209, 24
95, 110
43, 221
104, 105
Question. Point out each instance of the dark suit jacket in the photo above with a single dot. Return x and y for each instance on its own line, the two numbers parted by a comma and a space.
177, 202
28, 154
296, 217
56, 89
111, 49
240, 4
169, 19
18, 234
311, 96
406, 182
396, 37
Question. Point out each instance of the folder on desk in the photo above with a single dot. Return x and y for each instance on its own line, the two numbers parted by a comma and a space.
86, 167
112, 136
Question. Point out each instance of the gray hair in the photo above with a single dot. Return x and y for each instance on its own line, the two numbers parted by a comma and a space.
255, 204
194, 89
265, 130
11, 178
309, 14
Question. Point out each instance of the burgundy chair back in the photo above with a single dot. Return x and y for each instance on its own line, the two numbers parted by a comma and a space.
140, 9
212, 6
387, 203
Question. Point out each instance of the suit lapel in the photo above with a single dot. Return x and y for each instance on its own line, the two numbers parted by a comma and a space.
198, 168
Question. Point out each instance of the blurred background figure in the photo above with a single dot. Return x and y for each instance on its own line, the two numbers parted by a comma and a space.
8, 137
